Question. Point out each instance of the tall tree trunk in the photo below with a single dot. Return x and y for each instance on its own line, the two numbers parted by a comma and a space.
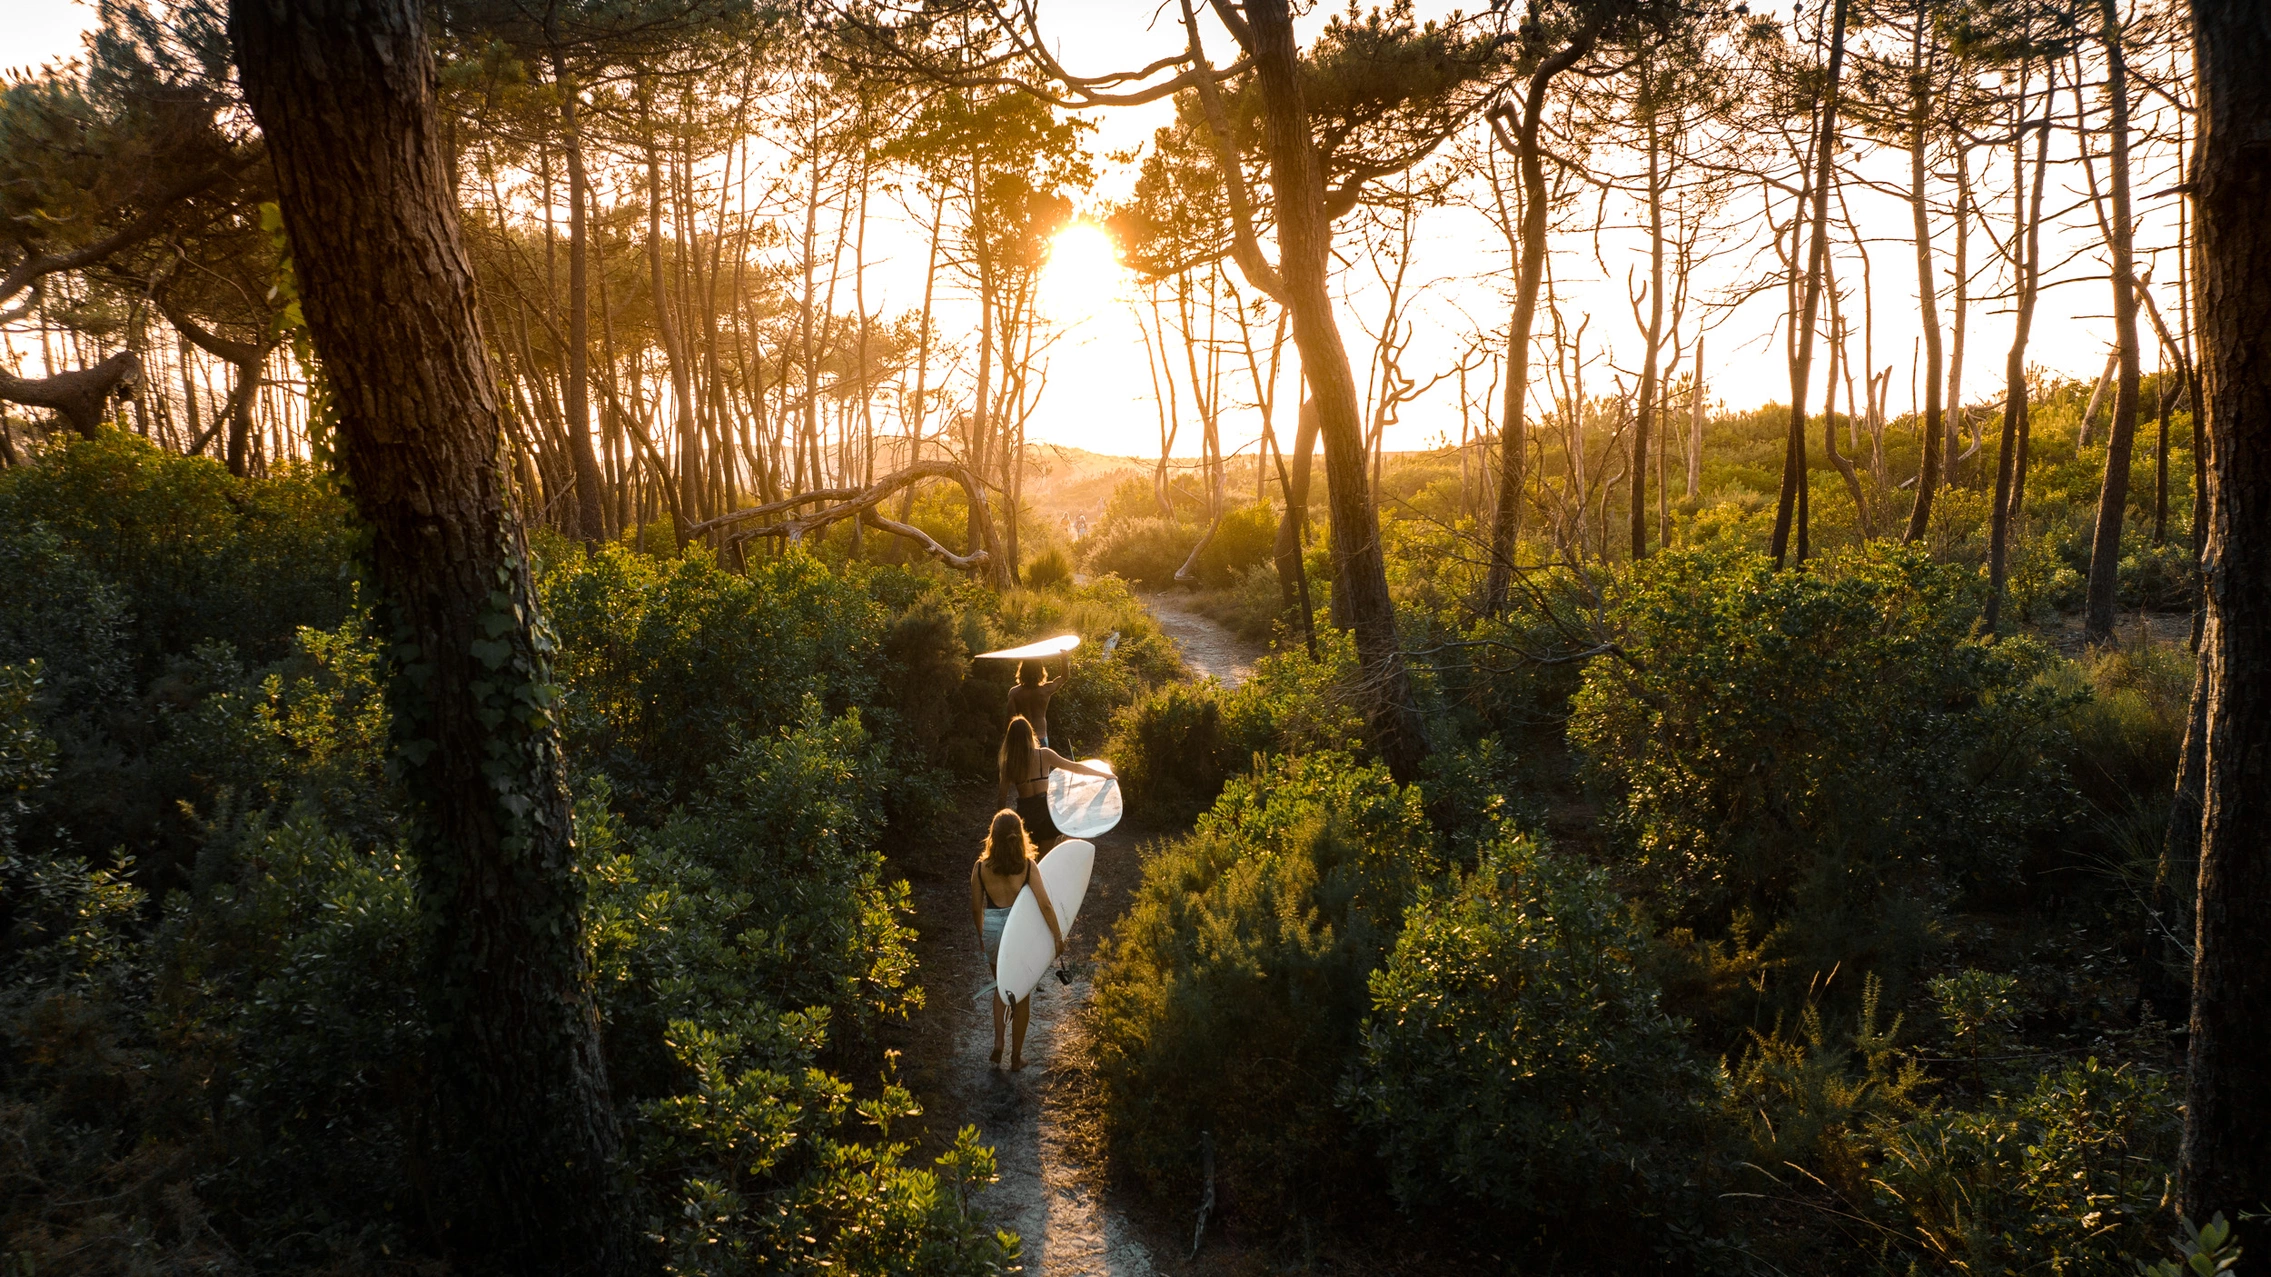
673, 353
2027, 253
591, 510
2226, 1163
1287, 551
2120, 439
1927, 282
526, 1151
1801, 365
1305, 242
1513, 449
1959, 322
1695, 425
1645, 419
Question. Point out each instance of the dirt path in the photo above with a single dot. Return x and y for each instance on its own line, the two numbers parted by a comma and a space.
1056, 1202
1208, 648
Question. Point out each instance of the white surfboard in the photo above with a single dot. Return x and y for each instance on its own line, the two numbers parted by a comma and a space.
1042, 650
1085, 806
1026, 951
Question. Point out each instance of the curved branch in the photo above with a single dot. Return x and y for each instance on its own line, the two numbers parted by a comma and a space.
78, 396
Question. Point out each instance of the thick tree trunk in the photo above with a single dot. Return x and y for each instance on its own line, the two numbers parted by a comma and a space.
2120, 439
2226, 1164
1790, 502
689, 500
524, 1141
1305, 241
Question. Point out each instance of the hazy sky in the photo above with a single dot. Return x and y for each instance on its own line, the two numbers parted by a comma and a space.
1098, 391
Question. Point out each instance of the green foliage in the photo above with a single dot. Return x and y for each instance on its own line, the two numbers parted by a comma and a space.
192, 553
1245, 540
1228, 998
1048, 570
2205, 1251
1141, 551
2157, 578
2071, 1176
668, 664
1517, 1054
1832, 746
1175, 748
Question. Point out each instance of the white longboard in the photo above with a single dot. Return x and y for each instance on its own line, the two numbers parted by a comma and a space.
1027, 951
1040, 651
1085, 806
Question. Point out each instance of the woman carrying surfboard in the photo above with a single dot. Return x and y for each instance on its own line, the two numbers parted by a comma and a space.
1029, 699
1024, 780
1002, 870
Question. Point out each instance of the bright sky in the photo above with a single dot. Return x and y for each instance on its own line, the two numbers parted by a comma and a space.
1098, 389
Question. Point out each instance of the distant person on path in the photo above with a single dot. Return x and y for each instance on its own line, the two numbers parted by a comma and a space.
1030, 698
1002, 869
1024, 781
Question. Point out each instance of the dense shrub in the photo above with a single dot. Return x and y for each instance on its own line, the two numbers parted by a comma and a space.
668, 664
192, 553
1245, 539
1143, 551
1228, 998
1833, 746
1048, 570
1175, 748
2158, 578
1516, 1054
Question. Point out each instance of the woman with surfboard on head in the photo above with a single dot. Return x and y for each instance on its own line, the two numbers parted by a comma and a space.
1029, 697
1024, 779
1004, 869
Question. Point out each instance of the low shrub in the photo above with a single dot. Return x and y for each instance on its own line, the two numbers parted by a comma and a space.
1142, 551
1049, 570
1244, 540
1228, 998
2157, 578
1516, 1054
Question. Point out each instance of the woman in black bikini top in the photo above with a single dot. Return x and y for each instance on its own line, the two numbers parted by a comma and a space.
1004, 869
1024, 780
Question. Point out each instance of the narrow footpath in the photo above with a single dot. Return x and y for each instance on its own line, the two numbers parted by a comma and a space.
1049, 1193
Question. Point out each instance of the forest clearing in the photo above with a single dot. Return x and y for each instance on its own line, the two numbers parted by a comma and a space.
1223, 637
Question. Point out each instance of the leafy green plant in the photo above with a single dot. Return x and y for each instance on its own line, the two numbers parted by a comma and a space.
1516, 1053
1228, 998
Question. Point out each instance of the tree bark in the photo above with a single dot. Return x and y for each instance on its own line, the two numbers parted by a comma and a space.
523, 1140
591, 509
1927, 284
78, 396
1645, 418
2011, 456
1305, 241
1287, 551
2120, 438
2226, 1162
1513, 449
1789, 502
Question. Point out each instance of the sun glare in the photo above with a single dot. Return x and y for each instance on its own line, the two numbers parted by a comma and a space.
1084, 272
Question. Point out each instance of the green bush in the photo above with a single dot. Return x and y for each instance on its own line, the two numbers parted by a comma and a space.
1141, 551
2157, 578
1830, 746
1228, 998
668, 664
1049, 570
1246, 539
1176, 747
1517, 1056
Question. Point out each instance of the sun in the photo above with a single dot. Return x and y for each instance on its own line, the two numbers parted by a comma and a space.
1083, 274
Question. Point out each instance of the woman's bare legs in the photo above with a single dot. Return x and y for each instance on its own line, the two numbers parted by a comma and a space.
1017, 1032
995, 1058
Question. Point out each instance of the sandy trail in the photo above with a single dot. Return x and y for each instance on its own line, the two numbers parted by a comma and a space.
1053, 1200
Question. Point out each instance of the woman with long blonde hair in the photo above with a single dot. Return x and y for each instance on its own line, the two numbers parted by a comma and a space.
1003, 868
1024, 778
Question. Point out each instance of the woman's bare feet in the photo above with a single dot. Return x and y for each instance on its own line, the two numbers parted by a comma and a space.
994, 1060
1016, 1063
